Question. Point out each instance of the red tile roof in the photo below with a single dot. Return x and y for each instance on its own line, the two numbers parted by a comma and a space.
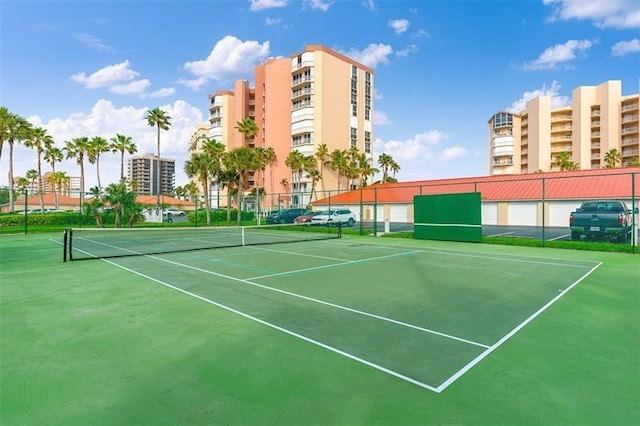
580, 184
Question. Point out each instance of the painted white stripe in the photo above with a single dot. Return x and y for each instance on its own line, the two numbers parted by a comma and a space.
513, 259
284, 330
462, 225
560, 237
503, 233
495, 346
295, 253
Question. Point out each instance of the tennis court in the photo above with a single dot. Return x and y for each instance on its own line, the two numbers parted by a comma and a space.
326, 330
424, 316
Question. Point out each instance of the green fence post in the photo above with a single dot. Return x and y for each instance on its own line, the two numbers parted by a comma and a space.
26, 200
544, 237
375, 212
361, 213
634, 223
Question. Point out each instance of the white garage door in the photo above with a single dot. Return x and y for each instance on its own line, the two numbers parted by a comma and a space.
559, 212
489, 213
523, 213
398, 212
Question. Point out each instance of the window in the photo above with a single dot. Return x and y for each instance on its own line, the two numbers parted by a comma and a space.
502, 119
354, 136
367, 142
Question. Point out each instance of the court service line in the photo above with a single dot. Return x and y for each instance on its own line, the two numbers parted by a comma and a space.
342, 263
296, 253
282, 329
560, 237
509, 335
322, 302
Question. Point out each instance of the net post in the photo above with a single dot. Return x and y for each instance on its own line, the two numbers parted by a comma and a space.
70, 244
339, 229
64, 245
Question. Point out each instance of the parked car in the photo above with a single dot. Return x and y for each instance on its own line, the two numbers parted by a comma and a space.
35, 211
602, 220
173, 211
285, 216
332, 217
306, 218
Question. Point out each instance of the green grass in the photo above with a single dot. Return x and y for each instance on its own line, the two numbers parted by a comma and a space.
88, 343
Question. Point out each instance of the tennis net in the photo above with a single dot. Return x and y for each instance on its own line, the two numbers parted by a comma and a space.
96, 243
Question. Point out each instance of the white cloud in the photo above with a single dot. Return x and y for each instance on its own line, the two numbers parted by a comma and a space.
405, 52
372, 55
369, 4
603, 13
399, 25
272, 21
419, 147
622, 48
453, 152
257, 5
230, 58
162, 93
137, 87
106, 119
322, 5
558, 54
107, 77
92, 42
420, 33
380, 118
552, 91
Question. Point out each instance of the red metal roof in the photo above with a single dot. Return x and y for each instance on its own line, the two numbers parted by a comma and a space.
580, 184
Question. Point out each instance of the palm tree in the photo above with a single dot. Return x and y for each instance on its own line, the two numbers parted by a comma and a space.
321, 154
97, 146
564, 162
58, 181
31, 176
192, 190
6, 123
612, 158
366, 169
248, 128
161, 121
40, 141
215, 151
243, 160
385, 161
77, 148
94, 206
201, 167
121, 143
395, 168
17, 129
122, 201
295, 162
314, 175
53, 155
339, 163
270, 157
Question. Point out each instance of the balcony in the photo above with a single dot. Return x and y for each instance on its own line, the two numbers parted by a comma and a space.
300, 65
629, 141
595, 123
301, 92
629, 129
595, 145
566, 117
628, 118
630, 152
629, 107
297, 81
595, 135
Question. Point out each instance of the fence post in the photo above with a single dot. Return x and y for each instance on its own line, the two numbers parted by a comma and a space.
544, 237
634, 223
375, 212
361, 213
26, 200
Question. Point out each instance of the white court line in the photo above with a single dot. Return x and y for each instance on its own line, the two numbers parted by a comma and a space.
560, 237
495, 346
284, 330
514, 259
504, 233
296, 253
322, 302
343, 262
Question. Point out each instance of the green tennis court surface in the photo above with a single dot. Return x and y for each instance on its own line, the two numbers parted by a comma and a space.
349, 331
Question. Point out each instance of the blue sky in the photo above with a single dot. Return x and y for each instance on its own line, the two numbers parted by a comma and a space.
442, 68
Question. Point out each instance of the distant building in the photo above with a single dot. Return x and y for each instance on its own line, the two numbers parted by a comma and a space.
71, 188
598, 120
143, 170
313, 97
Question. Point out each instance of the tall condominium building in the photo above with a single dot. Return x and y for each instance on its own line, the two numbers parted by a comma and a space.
315, 97
143, 170
70, 188
599, 119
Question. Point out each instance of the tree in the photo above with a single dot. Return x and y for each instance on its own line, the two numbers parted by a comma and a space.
6, 119
248, 128
40, 141
123, 202
95, 205
339, 163
121, 143
564, 162
612, 158
215, 151
97, 146
321, 155
296, 163
32, 176
366, 169
161, 121
16, 129
385, 161
77, 148
201, 167
243, 160
58, 181
270, 158
192, 190
52, 156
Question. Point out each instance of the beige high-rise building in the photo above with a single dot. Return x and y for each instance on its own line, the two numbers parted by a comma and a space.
143, 169
598, 120
315, 97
